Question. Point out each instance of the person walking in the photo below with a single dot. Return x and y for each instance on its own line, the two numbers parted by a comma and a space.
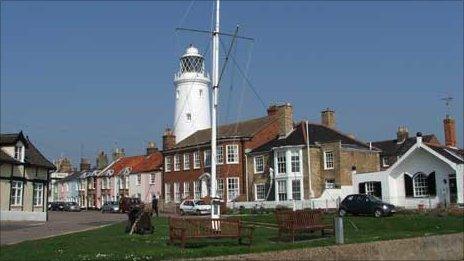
154, 204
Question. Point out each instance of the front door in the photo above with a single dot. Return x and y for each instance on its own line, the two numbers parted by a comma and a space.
453, 190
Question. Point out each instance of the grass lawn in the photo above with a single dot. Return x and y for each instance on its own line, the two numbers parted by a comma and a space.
112, 243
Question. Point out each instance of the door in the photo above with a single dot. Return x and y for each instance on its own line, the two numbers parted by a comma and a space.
453, 190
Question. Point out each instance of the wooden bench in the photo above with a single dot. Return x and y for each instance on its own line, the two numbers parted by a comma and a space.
182, 230
291, 222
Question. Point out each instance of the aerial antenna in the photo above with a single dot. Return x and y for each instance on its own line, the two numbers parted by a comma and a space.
448, 101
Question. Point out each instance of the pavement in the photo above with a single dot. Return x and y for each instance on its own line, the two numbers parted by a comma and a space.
58, 223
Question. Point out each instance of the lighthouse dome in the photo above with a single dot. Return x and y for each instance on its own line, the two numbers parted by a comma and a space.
192, 51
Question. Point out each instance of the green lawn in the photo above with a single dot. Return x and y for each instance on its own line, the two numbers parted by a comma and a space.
112, 243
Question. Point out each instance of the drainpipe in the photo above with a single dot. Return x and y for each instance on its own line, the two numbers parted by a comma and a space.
246, 175
311, 193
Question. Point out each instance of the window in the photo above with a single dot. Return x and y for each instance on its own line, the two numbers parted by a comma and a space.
186, 189
330, 183
167, 192
328, 160
177, 94
232, 153
200, 92
176, 162
121, 185
104, 183
282, 185
189, 117
295, 161
281, 162
220, 188
127, 182
19, 153
176, 192
197, 188
168, 164
296, 189
219, 154
139, 180
259, 164
152, 178
260, 190
369, 188
385, 162
196, 160
232, 188
420, 185
16, 193
207, 157
38, 194
186, 161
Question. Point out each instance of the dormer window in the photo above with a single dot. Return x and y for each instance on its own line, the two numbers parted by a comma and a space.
19, 152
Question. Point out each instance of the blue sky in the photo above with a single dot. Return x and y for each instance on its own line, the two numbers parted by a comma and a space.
96, 75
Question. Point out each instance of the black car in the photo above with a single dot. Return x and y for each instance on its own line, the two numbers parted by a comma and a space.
361, 204
54, 206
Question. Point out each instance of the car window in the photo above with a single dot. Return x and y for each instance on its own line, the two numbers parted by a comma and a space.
200, 202
349, 198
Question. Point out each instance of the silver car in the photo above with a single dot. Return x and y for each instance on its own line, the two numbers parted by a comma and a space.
198, 207
72, 207
111, 207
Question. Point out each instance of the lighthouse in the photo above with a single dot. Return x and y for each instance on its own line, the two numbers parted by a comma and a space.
192, 112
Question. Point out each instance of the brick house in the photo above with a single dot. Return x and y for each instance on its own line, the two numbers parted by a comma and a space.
187, 163
281, 169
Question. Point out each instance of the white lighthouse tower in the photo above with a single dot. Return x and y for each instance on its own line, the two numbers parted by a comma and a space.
192, 95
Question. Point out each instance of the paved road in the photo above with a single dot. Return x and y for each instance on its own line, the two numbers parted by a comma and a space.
58, 223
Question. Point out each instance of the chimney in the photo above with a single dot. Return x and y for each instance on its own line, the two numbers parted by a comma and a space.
151, 148
169, 139
85, 164
449, 126
118, 153
402, 134
284, 112
102, 160
419, 137
328, 118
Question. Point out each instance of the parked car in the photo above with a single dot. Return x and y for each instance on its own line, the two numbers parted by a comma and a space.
125, 204
56, 206
197, 207
110, 206
361, 204
72, 206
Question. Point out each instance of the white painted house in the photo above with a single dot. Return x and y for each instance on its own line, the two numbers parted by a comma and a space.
426, 175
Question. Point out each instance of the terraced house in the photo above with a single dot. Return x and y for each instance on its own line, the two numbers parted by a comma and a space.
187, 162
24, 176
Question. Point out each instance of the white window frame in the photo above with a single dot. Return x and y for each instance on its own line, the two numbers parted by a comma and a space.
295, 161
168, 164
299, 192
256, 160
329, 162
167, 192
220, 188
177, 194
177, 162
207, 158
384, 162
256, 192
16, 198
233, 193
282, 192
19, 152
219, 155
138, 180
329, 184
232, 152
186, 193
152, 178
38, 194
126, 183
196, 160
369, 188
197, 189
420, 187
281, 162
121, 183
186, 161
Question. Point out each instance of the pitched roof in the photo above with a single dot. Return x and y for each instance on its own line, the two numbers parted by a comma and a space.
317, 134
72, 176
454, 155
32, 154
149, 163
242, 129
120, 164
393, 148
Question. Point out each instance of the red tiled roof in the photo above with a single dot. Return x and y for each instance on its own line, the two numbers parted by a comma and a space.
149, 163
125, 162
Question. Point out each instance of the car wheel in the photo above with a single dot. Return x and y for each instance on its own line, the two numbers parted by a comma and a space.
341, 212
378, 213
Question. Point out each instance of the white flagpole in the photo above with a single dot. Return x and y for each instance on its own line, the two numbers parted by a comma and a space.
215, 77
